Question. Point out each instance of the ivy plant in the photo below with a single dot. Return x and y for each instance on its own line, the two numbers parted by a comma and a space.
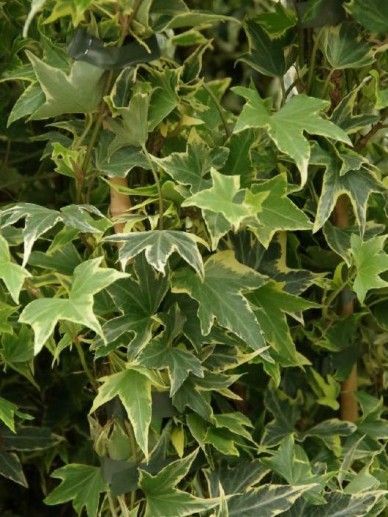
193, 257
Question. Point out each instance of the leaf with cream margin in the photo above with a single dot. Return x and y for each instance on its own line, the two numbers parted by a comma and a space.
78, 92
286, 127
11, 274
277, 211
133, 387
221, 296
158, 246
44, 313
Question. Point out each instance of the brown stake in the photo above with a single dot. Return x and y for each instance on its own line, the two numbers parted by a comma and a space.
348, 404
119, 203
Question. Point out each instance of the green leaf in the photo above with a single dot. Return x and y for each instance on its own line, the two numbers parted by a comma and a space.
291, 462
286, 127
191, 167
220, 296
370, 260
266, 55
11, 468
38, 220
12, 274
159, 354
132, 127
29, 101
277, 212
8, 411
235, 477
266, 501
44, 313
340, 504
357, 184
158, 245
285, 414
371, 14
28, 438
271, 304
225, 197
78, 92
326, 391
138, 301
81, 484
277, 21
164, 499
343, 49
134, 390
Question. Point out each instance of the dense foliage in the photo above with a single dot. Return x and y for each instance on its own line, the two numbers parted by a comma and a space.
194, 277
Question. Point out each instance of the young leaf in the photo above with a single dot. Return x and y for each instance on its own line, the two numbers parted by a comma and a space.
158, 246
370, 261
44, 313
12, 274
286, 127
225, 197
134, 390
81, 484
78, 92
220, 296
164, 499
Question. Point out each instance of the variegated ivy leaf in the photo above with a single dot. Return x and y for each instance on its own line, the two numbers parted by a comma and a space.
163, 499
277, 212
158, 246
343, 49
8, 410
133, 387
370, 260
11, 274
39, 219
44, 313
226, 198
371, 14
137, 301
191, 167
78, 92
291, 462
271, 304
220, 296
340, 504
266, 501
286, 127
357, 184
162, 354
81, 484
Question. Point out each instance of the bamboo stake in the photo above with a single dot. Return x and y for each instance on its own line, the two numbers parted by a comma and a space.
348, 402
119, 203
